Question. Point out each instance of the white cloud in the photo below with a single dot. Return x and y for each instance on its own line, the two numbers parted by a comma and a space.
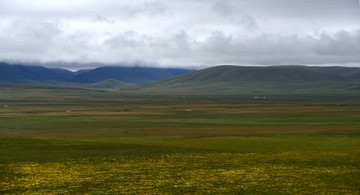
176, 32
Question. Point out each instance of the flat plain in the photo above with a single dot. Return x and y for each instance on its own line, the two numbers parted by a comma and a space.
63, 140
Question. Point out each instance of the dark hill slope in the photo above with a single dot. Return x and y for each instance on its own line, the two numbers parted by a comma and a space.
254, 80
135, 75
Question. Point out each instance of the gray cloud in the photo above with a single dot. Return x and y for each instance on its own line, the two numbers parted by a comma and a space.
100, 18
223, 7
79, 8
234, 14
181, 33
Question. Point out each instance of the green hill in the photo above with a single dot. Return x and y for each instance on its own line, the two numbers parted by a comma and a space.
110, 84
259, 80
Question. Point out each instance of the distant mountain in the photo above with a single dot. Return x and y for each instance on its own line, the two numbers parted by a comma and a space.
220, 80
259, 80
134, 75
20, 74
81, 71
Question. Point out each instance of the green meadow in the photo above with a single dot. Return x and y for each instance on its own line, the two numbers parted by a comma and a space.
63, 140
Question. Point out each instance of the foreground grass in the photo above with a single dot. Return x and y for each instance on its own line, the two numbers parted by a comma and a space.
280, 164
216, 165
295, 172
112, 144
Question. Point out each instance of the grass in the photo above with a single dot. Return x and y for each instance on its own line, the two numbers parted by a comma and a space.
111, 143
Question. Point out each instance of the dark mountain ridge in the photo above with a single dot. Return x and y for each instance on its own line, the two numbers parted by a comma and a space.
134, 75
21, 74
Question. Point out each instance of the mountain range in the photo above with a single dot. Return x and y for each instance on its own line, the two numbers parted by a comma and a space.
21, 74
218, 80
133, 75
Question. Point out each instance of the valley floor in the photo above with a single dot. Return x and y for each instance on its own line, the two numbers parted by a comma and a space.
68, 141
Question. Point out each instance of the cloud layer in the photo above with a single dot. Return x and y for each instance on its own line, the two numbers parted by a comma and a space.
181, 32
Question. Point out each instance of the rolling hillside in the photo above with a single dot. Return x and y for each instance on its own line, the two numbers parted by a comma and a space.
110, 84
259, 80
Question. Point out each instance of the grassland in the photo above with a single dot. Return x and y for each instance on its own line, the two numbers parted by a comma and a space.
58, 140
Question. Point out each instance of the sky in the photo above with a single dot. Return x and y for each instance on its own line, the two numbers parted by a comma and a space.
180, 33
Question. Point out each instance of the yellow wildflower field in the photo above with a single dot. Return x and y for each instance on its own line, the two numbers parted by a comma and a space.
186, 173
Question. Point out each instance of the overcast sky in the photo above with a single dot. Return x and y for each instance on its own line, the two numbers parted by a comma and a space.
185, 33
